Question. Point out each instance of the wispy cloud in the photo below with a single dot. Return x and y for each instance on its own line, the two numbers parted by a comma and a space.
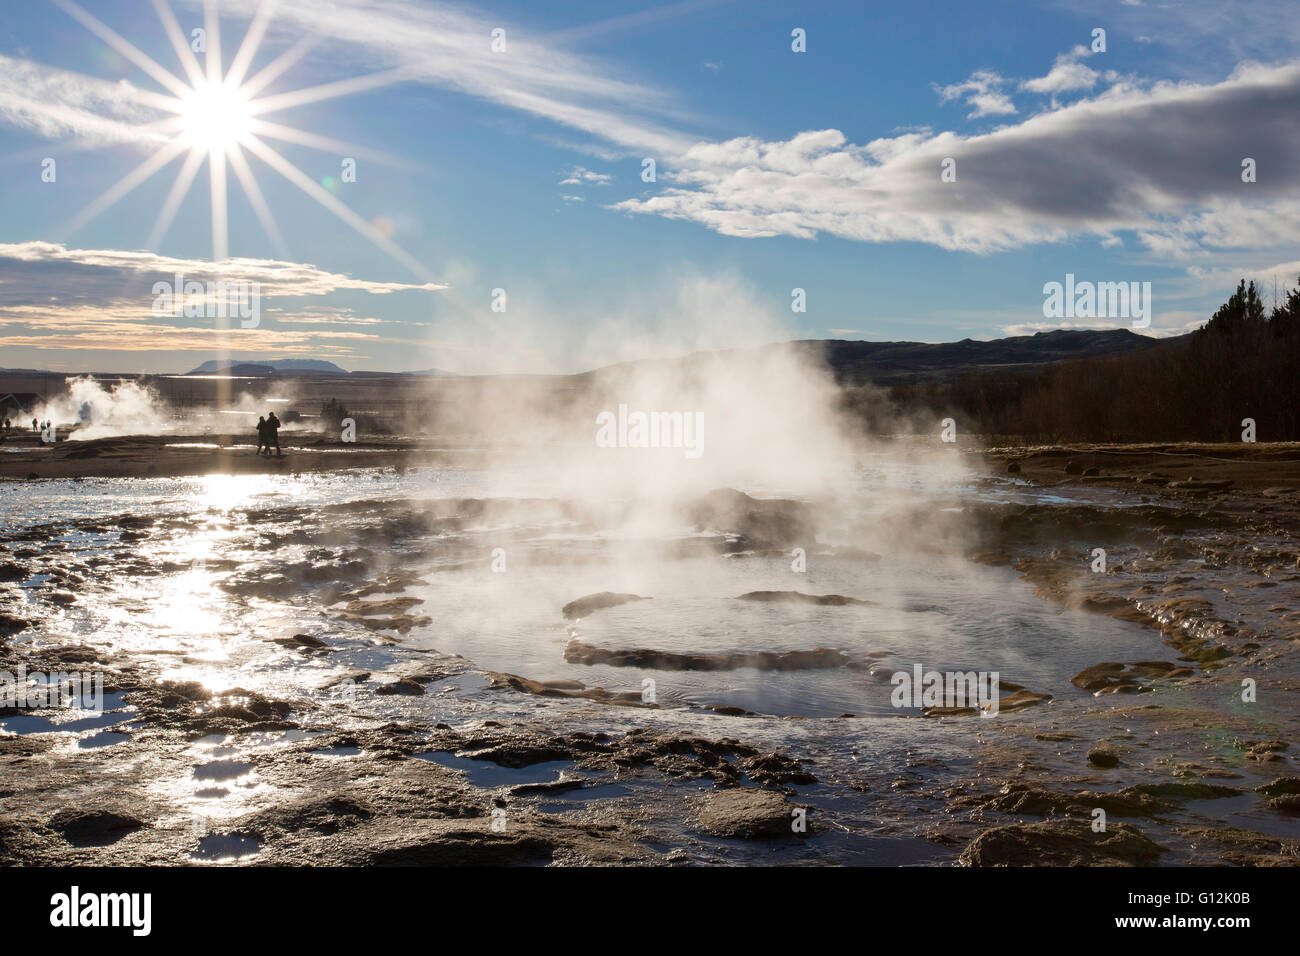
579, 176
55, 297
449, 46
94, 328
446, 46
57, 103
35, 272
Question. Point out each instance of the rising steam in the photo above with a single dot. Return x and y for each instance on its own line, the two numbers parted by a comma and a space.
127, 409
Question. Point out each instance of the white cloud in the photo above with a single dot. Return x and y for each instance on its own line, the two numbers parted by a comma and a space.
1163, 162
1068, 73
983, 91
579, 176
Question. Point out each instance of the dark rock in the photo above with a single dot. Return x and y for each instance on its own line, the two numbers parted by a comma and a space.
1061, 843
595, 602
1288, 804
1099, 757
526, 685
1177, 793
798, 597
562, 785
304, 641
760, 523
1113, 677
326, 816
745, 813
406, 687
93, 827
1280, 787
775, 769
819, 658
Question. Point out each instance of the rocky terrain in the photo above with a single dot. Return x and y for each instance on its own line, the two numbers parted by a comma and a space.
1184, 756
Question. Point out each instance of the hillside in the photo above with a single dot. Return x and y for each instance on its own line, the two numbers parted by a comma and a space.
895, 363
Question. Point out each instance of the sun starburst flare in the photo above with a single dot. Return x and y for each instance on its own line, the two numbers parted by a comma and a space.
217, 117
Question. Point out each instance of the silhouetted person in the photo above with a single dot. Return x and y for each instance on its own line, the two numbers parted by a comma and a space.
273, 434
36, 426
261, 436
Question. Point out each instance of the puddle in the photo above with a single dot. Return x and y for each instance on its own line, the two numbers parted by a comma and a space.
222, 770
105, 738
224, 848
337, 752
484, 773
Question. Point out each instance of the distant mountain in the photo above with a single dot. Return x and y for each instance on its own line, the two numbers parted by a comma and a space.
428, 371
854, 362
301, 366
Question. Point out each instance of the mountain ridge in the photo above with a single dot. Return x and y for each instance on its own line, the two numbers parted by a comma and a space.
852, 361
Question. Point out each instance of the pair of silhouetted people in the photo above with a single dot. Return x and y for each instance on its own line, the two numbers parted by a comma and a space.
268, 434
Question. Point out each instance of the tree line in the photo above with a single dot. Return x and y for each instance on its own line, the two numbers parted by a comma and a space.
1243, 363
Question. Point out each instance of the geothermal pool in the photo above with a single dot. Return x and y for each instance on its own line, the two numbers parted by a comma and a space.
203, 574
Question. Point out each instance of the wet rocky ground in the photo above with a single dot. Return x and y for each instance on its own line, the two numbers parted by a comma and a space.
347, 746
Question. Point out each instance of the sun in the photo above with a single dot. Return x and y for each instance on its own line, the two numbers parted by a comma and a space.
217, 115
215, 118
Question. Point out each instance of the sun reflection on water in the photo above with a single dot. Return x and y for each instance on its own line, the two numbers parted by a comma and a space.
224, 492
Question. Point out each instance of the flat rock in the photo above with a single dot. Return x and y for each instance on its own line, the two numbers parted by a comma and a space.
798, 597
819, 658
1061, 843
1281, 787
745, 813
595, 602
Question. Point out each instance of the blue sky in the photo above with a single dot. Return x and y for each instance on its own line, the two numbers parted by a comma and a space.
520, 169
